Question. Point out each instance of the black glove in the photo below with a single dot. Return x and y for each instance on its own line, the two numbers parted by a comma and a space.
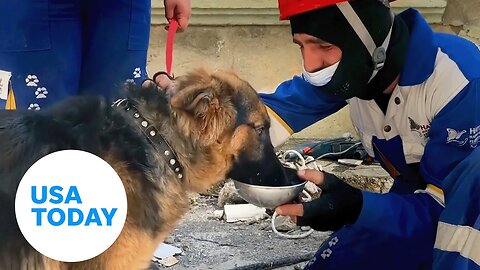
338, 205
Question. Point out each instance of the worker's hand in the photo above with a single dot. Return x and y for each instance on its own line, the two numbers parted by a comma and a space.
339, 203
162, 81
178, 10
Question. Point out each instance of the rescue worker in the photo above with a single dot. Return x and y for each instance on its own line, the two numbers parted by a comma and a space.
414, 98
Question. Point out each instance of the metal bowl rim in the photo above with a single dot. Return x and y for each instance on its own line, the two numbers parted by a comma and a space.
270, 187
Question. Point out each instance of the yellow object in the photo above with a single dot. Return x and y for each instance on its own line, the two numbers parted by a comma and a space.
11, 104
280, 120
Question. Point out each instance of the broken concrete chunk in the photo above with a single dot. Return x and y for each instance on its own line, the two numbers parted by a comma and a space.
243, 212
372, 178
165, 250
229, 195
218, 214
350, 162
169, 261
284, 224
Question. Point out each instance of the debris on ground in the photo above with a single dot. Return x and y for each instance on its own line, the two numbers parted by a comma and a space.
243, 212
229, 195
350, 162
284, 224
166, 250
167, 262
368, 177
164, 255
222, 231
218, 214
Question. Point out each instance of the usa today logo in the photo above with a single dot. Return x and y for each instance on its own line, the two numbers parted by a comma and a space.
71, 205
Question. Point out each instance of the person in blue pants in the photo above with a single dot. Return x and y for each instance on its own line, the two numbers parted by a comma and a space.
53, 49
414, 98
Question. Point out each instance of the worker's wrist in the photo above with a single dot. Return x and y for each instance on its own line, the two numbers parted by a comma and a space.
340, 204
369, 211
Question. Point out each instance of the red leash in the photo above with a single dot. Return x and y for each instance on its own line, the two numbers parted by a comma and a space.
172, 29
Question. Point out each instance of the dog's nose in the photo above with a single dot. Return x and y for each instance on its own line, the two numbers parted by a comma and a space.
275, 174
267, 171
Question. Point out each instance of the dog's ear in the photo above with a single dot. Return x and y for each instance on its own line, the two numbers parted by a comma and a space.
204, 109
196, 99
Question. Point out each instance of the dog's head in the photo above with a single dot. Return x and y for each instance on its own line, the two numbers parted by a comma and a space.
224, 114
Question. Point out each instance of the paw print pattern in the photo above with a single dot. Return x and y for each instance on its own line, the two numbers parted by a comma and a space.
129, 81
41, 92
34, 106
137, 73
333, 241
326, 253
31, 80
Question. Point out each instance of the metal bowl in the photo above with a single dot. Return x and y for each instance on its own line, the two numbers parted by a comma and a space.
268, 196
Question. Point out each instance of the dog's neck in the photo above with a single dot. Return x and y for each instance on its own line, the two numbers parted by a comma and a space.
198, 161
154, 136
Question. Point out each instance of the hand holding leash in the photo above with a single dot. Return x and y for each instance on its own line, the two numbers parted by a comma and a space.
164, 79
178, 10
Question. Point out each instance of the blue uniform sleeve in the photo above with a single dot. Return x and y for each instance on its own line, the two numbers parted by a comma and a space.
408, 221
454, 134
451, 159
296, 104
412, 216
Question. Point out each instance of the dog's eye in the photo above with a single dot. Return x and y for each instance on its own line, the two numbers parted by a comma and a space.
260, 130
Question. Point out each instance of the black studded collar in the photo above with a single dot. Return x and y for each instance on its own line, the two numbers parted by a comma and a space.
154, 137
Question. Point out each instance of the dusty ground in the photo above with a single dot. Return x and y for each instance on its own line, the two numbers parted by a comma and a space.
209, 243
212, 243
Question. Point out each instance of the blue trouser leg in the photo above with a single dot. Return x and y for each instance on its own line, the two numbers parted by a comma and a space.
357, 248
458, 237
56, 48
392, 232
40, 44
117, 45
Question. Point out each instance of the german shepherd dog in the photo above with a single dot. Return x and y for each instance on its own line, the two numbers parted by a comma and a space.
214, 125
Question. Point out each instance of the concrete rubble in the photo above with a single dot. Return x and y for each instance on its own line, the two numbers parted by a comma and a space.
243, 212
284, 224
164, 255
229, 195
222, 231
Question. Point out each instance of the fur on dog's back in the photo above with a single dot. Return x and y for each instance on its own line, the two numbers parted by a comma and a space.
81, 123
215, 124
25, 137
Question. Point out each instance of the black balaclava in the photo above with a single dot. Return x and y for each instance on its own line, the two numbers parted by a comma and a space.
353, 75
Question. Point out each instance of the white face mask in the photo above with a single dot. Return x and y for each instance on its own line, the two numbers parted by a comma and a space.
321, 77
